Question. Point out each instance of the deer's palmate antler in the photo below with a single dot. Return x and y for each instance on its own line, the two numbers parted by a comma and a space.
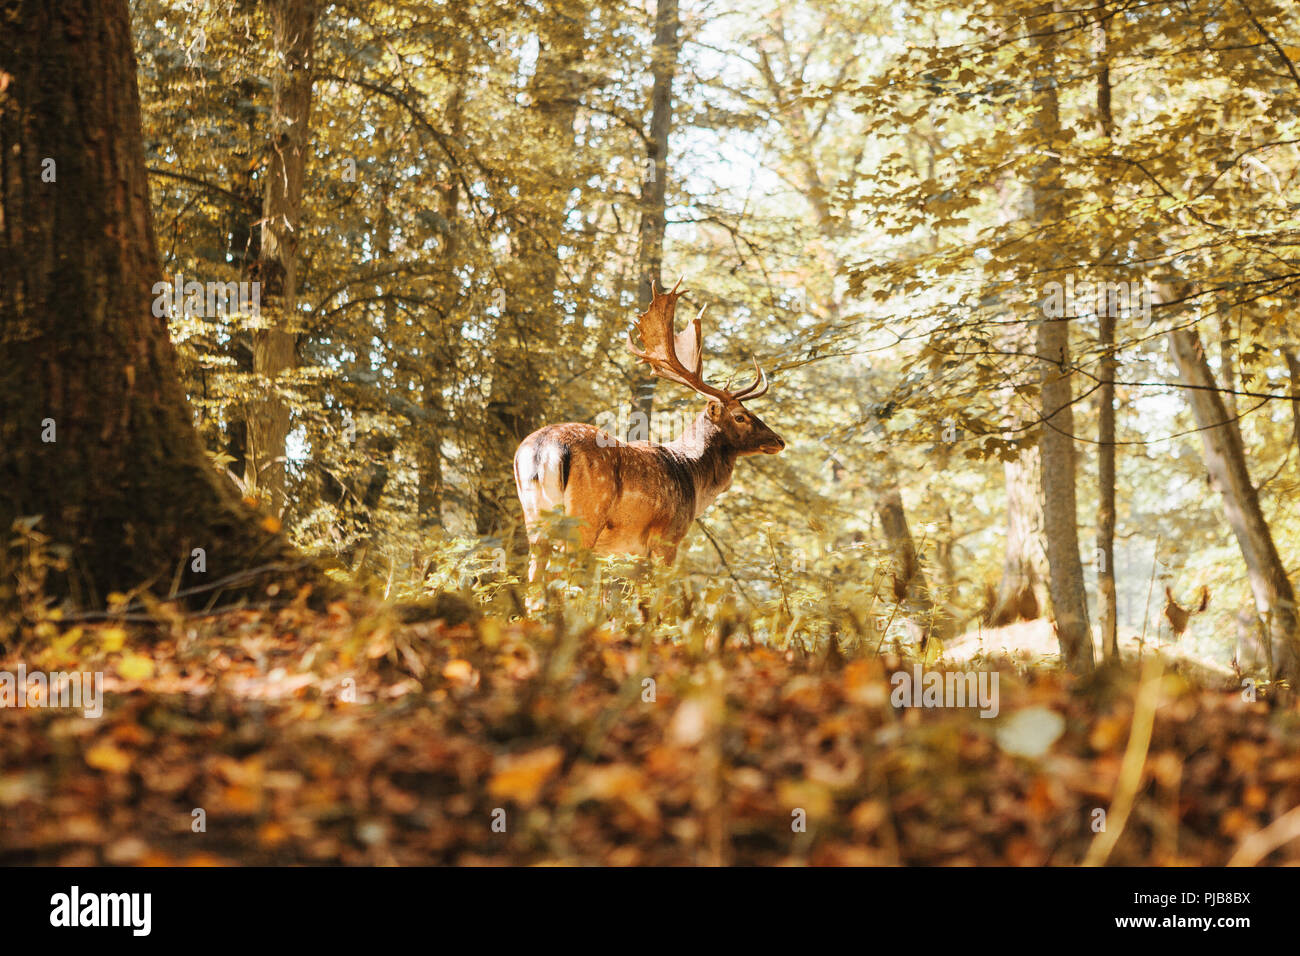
679, 356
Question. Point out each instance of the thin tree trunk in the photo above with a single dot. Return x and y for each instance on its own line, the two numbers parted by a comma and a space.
1107, 604
929, 615
1228, 363
430, 494
98, 439
1225, 460
1056, 434
245, 249
293, 27
655, 182
1060, 510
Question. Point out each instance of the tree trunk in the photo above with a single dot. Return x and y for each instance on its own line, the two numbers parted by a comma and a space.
1228, 363
1060, 512
655, 177
293, 27
245, 249
1107, 606
1107, 603
97, 436
1022, 592
429, 495
1056, 431
945, 567
1225, 459
909, 577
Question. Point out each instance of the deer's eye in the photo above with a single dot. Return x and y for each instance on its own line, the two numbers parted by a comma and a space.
741, 419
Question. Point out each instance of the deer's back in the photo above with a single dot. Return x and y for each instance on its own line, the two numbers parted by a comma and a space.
628, 495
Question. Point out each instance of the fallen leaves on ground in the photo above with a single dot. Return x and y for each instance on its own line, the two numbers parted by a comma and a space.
273, 737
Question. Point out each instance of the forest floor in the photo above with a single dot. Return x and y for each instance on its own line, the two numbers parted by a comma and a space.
346, 736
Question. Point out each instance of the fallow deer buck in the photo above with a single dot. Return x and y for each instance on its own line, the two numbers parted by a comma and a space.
639, 498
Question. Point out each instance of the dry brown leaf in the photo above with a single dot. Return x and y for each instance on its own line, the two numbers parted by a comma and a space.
520, 777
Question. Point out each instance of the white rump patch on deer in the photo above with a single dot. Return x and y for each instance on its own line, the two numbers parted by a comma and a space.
546, 489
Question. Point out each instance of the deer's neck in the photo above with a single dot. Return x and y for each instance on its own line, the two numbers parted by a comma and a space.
703, 451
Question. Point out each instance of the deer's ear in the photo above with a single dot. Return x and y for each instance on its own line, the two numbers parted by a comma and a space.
715, 411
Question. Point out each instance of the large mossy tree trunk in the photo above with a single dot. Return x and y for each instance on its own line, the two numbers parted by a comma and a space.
97, 436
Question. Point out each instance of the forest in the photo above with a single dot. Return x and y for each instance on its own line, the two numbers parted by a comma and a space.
649, 432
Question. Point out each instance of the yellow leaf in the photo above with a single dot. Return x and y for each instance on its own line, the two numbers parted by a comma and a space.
624, 783
107, 757
113, 638
271, 524
806, 795
65, 640
135, 667
868, 815
489, 632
